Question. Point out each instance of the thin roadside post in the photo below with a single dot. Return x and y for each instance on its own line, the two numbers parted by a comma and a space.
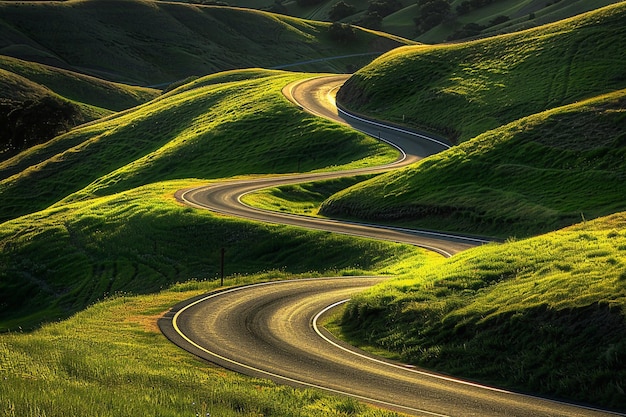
222, 267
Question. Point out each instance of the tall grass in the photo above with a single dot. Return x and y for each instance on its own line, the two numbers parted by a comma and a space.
111, 360
544, 315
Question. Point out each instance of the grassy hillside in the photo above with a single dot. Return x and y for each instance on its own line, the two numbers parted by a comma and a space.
463, 90
534, 175
38, 102
126, 41
104, 235
213, 128
543, 315
521, 14
91, 214
73, 86
111, 360
59, 261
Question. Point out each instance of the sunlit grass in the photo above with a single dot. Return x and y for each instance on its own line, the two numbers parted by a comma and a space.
303, 199
531, 176
58, 261
220, 126
544, 314
462, 90
111, 360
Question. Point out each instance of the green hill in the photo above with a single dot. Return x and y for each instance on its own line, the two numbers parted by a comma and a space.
462, 90
94, 92
204, 130
89, 220
532, 183
151, 42
488, 18
478, 20
543, 315
534, 175
38, 102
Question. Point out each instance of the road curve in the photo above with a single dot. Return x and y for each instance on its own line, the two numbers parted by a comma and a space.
316, 95
269, 330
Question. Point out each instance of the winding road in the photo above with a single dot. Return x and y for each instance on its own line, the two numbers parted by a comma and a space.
271, 330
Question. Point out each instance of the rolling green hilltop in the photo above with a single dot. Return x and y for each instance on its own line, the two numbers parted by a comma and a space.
38, 102
542, 315
531, 176
462, 19
541, 120
549, 165
126, 40
462, 90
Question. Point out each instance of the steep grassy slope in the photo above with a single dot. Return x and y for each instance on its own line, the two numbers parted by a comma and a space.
544, 314
213, 128
531, 176
151, 42
538, 173
465, 89
37, 102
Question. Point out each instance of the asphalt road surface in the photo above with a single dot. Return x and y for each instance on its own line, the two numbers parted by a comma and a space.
271, 330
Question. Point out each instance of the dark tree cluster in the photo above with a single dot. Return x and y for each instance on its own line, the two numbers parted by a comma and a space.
28, 123
468, 5
342, 32
384, 7
376, 11
341, 10
474, 29
371, 20
431, 13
